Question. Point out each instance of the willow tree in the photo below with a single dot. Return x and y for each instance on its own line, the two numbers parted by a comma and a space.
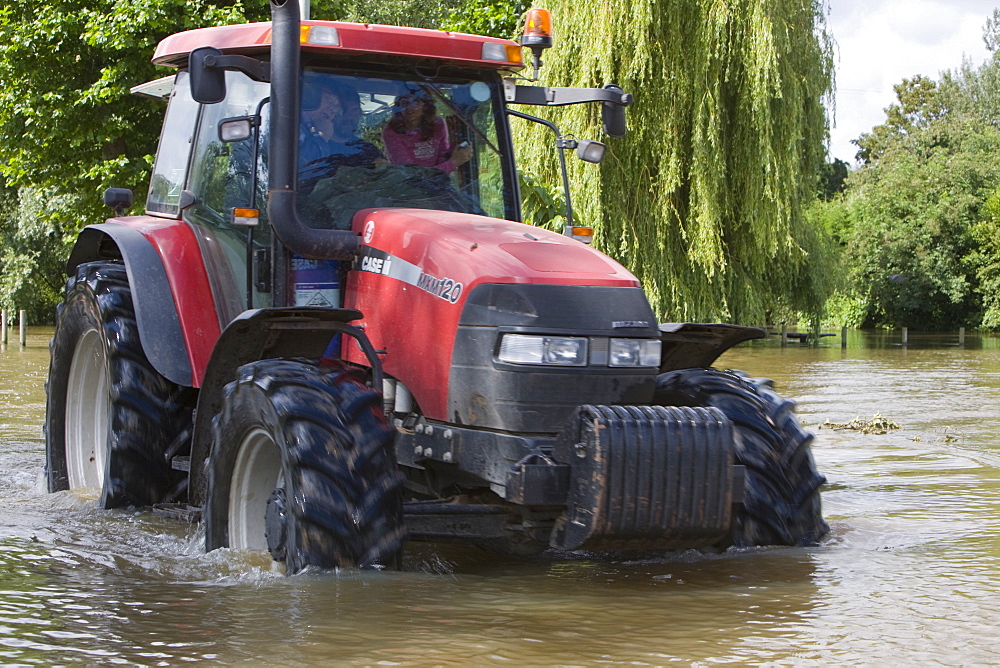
704, 199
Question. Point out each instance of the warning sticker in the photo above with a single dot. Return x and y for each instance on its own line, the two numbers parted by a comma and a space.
326, 295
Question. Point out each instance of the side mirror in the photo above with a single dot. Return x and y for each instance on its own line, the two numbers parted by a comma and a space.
613, 115
119, 199
208, 80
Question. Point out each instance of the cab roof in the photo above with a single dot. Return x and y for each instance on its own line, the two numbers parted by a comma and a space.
357, 40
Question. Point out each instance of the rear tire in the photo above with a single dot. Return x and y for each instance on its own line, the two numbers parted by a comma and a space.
781, 503
110, 418
302, 465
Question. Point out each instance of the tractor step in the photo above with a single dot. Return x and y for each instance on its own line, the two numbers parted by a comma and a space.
178, 511
181, 463
436, 521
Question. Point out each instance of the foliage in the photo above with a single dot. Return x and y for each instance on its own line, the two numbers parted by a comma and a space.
704, 199
918, 205
67, 120
991, 32
920, 103
985, 258
33, 250
497, 20
833, 178
541, 205
69, 127
415, 13
844, 309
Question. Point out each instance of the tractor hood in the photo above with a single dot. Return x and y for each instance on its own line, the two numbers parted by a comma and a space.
467, 250
416, 268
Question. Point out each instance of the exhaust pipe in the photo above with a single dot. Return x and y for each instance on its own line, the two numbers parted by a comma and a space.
298, 237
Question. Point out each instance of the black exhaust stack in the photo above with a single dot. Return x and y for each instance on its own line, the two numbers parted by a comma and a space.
298, 237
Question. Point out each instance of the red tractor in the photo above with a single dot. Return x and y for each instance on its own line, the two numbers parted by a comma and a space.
326, 335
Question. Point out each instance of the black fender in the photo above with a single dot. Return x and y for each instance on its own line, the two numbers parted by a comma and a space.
688, 345
263, 334
155, 312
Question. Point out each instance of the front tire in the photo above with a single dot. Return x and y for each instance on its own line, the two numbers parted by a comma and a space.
781, 504
302, 466
110, 419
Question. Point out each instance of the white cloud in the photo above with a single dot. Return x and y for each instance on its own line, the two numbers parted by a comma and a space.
880, 42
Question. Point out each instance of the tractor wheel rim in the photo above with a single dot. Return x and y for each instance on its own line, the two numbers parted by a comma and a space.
256, 473
87, 412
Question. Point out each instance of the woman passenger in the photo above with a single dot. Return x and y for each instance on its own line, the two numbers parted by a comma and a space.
416, 135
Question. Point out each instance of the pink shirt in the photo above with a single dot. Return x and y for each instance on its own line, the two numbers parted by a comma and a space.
410, 149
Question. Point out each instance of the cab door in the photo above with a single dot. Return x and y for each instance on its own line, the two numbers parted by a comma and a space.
225, 175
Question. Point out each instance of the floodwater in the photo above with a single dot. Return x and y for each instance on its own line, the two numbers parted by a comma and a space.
909, 575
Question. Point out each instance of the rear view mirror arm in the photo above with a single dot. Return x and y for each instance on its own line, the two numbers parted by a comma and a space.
257, 70
559, 97
561, 145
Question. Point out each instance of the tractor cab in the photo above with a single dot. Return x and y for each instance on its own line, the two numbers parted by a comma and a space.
366, 135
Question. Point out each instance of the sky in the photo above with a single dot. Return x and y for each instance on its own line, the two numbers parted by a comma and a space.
881, 42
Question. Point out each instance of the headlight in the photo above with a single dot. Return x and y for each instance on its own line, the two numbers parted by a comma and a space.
549, 350
634, 352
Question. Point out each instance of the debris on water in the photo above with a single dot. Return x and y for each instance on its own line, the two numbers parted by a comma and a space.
946, 436
876, 425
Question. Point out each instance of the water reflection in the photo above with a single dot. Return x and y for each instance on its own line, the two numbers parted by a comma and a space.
909, 574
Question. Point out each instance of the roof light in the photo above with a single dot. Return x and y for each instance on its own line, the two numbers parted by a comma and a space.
502, 53
494, 51
537, 37
320, 36
537, 28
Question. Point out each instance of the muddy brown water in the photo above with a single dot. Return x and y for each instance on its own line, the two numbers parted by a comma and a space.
909, 575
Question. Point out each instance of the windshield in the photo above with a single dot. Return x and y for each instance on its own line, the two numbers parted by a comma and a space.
375, 141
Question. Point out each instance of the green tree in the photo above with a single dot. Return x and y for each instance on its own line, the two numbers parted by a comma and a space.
498, 19
704, 199
33, 250
920, 103
913, 244
991, 32
69, 127
985, 259
833, 178
415, 13
501, 19
67, 120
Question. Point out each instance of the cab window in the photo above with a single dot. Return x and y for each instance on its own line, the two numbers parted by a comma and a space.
170, 169
377, 141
